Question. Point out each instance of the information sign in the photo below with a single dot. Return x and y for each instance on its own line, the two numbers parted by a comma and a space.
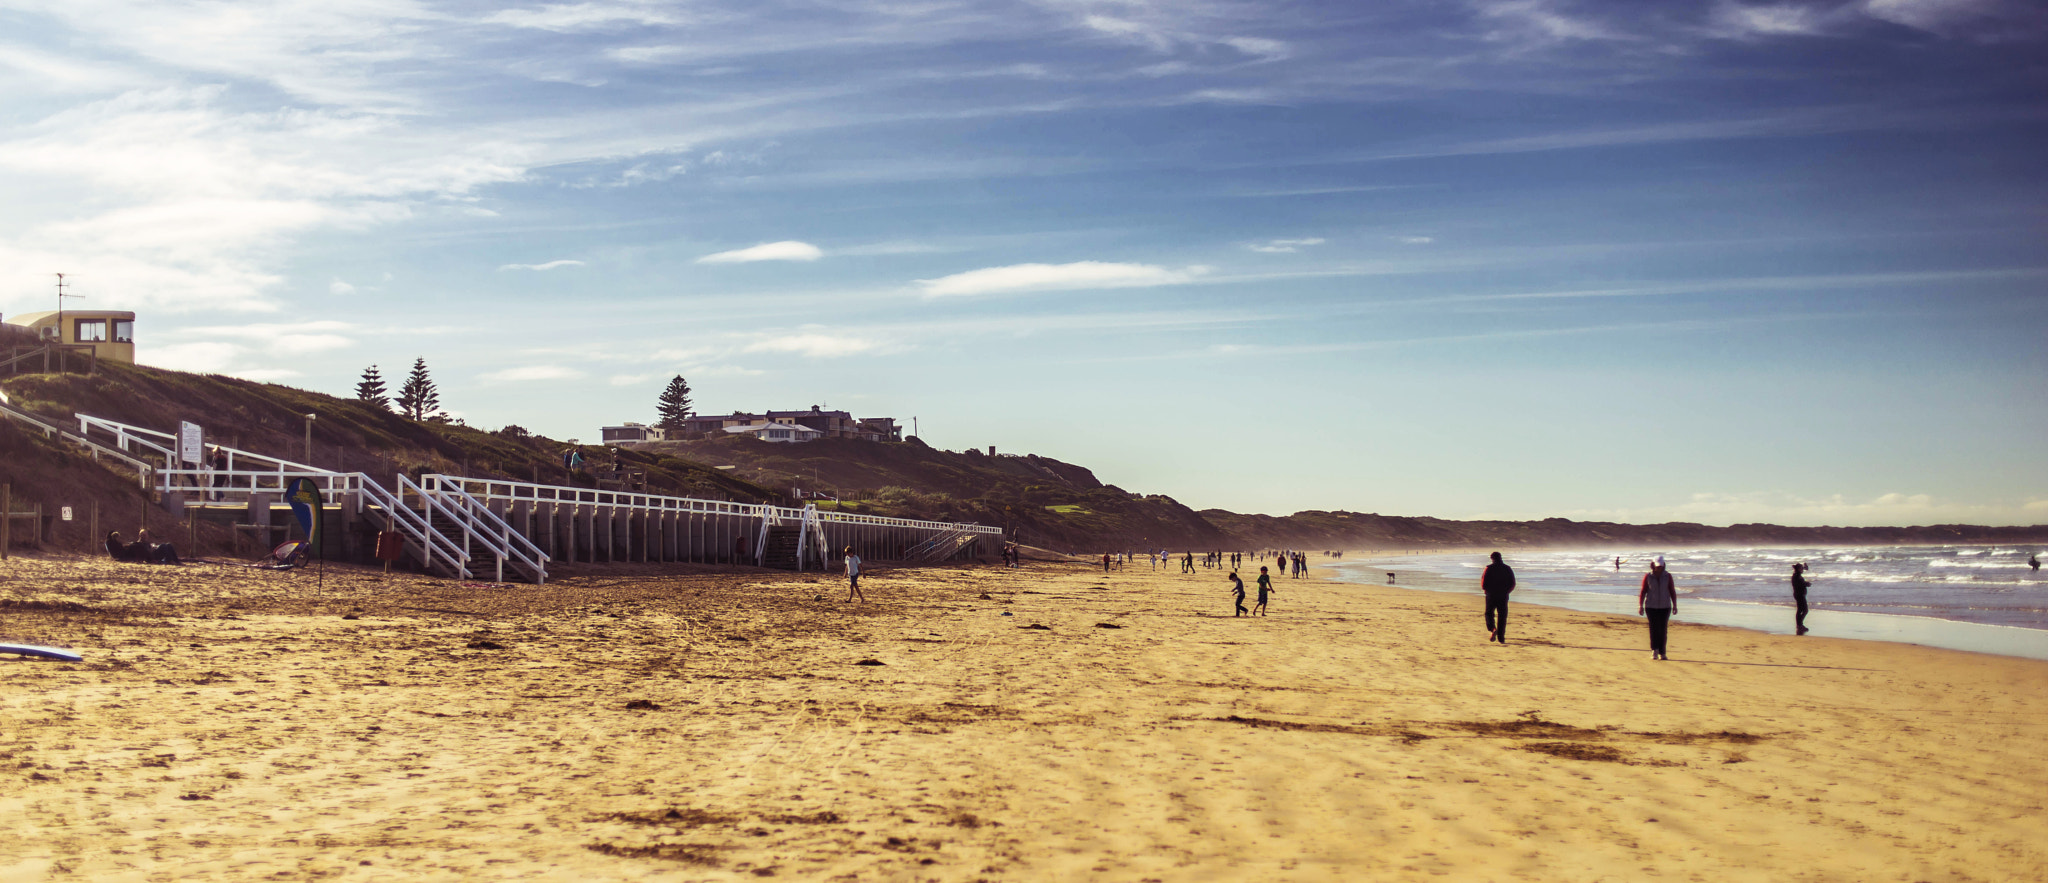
190, 444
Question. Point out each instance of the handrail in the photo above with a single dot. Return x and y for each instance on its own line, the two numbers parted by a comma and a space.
658, 502
142, 470
511, 543
126, 433
433, 504
333, 485
421, 527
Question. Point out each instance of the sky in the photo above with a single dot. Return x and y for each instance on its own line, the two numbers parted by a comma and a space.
1639, 261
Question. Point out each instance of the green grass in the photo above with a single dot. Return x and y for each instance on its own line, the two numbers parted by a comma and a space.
1069, 509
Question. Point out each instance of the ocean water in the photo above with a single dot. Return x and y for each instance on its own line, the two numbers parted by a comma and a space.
1965, 597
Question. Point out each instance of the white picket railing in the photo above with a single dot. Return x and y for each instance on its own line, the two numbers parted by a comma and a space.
497, 536
416, 527
469, 502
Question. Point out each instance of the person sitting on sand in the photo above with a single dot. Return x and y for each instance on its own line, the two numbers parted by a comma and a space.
853, 577
120, 551
1265, 588
141, 551
1237, 591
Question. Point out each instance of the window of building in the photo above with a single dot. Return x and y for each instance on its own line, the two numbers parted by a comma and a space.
124, 330
90, 331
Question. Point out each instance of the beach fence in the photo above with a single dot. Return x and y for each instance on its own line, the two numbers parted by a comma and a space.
483, 528
10, 518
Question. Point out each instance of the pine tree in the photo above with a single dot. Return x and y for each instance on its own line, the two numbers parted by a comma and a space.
418, 399
674, 404
372, 389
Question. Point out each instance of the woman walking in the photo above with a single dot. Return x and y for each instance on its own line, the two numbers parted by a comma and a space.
1658, 601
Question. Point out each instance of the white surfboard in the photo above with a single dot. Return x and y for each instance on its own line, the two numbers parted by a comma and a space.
43, 652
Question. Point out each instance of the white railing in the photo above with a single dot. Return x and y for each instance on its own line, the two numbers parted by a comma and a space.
164, 445
468, 502
125, 436
335, 487
417, 527
142, 469
499, 537
493, 489
812, 533
939, 546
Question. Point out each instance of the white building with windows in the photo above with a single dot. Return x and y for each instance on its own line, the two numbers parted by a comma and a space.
781, 433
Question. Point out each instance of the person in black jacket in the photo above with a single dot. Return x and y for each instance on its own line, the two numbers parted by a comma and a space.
1496, 582
1799, 587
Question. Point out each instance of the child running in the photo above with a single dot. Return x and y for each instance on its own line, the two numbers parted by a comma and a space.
1265, 587
1237, 590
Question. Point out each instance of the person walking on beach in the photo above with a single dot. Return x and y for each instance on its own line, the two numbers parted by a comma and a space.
1237, 592
1799, 586
1496, 582
2034, 563
1265, 588
1658, 601
853, 577
1187, 564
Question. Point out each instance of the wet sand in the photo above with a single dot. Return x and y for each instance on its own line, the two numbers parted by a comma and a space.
621, 724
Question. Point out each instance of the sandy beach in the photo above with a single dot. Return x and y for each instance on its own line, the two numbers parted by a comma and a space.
231, 723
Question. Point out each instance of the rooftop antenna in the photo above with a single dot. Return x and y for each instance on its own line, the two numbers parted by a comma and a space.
60, 305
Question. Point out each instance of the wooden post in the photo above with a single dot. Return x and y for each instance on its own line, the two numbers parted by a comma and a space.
38, 525
96, 523
6, 519
191, 533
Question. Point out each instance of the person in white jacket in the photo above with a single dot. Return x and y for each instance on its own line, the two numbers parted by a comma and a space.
853, 576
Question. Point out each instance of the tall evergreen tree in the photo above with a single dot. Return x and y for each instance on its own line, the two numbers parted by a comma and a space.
674, 404
371, 389
418, 399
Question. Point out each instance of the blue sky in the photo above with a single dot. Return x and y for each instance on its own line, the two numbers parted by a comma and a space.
1642, 261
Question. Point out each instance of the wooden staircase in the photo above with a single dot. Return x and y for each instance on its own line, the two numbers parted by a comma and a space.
782, 548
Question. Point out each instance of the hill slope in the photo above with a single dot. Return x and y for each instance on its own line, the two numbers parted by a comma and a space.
1041, 501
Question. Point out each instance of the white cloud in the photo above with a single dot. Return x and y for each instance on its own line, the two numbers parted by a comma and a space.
814, 345
1283, 246
1057, 277
338, 288
1773, 20
300, 344
1415, 240
571, 17
525, 373
787, 250
208, 357
1541, 20
541, 267
1941, 16
194, 204
1258, 47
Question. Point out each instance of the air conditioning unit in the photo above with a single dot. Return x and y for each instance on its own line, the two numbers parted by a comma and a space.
49, 333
